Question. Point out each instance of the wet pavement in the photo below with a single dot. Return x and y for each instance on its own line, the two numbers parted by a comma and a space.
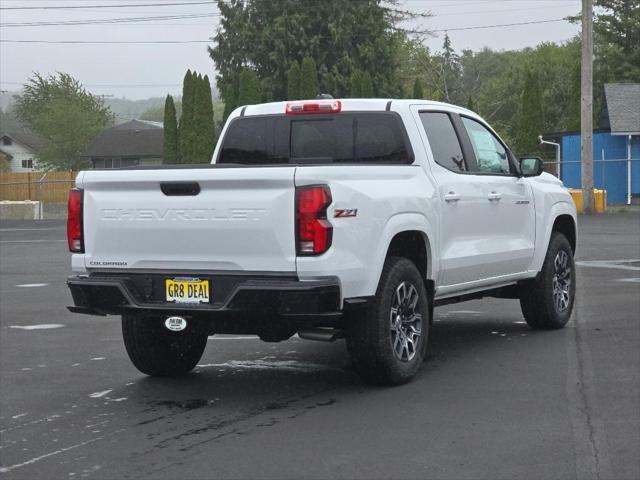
494, 400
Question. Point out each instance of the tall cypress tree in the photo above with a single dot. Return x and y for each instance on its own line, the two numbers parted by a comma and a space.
309, 79
293, 82
249, 88
170, 149
230, 100
366, 87
185, 129
199, 142
530, 123
471, 104
418, 91
209, 125
356, 84
202, 128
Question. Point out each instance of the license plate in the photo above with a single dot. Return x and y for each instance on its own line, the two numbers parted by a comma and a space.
187, 290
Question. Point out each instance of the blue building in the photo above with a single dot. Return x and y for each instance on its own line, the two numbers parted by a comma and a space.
616, 146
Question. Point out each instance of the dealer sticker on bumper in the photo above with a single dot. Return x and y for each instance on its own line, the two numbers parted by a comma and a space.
187, 290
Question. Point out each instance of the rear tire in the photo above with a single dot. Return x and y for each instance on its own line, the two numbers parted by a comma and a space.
159, 352
387, 341
547, 301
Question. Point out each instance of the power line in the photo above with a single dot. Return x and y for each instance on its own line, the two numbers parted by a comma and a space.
112, 85
105, 42
70, 7
133, 42
111, 20
479, 27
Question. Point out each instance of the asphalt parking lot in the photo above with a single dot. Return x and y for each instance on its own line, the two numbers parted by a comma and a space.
495, 399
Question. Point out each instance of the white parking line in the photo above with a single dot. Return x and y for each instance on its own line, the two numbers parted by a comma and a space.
228, 337
43, 326
29, 229
100, 394
57, 452
628, 280
32, 241
32, 285
620, 264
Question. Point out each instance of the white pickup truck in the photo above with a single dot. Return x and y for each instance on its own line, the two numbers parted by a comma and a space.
325, 218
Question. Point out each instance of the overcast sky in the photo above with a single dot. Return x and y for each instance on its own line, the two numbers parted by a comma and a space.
139, 70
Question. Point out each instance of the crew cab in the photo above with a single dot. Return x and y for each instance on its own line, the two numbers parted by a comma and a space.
328, 219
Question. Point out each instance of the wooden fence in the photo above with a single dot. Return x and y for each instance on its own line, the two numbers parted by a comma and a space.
48, 187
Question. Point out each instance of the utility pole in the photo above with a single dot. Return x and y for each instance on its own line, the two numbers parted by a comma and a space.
586, 106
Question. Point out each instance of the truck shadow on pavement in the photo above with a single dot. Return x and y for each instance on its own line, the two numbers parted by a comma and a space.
321, 367
236, 397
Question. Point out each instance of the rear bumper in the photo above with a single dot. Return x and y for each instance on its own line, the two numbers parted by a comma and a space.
281, 295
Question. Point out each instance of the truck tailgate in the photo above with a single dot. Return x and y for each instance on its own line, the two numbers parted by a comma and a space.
242, 219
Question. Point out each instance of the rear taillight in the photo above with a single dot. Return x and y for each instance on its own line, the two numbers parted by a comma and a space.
74, 221
314, 232
312, 107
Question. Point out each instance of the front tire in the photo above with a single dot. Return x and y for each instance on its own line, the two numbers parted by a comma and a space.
159, 352
547, 301
387, 341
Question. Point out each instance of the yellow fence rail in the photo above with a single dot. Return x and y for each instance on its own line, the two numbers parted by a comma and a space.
48, 187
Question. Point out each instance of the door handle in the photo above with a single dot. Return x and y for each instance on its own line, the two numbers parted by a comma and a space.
452, 197
494, 197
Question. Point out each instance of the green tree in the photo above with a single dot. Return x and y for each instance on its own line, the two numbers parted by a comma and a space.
293, 82
308, 79
249, 89
153, 114
471, 104
418, 91
4, 163
170, 149
209, 127
451, 72
616, 28
356, 84
186, 140
65, 115
530, 123
366, 86
230, 100
203, 131
340, 35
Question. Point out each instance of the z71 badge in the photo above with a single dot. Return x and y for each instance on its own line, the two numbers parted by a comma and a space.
345, 212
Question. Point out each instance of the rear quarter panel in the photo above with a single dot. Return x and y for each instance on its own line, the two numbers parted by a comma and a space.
388, 200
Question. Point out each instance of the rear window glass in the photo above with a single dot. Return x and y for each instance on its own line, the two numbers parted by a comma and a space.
316, 139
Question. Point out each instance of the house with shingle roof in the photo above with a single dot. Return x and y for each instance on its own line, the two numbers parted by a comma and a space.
19, 150
138, 142
621, 112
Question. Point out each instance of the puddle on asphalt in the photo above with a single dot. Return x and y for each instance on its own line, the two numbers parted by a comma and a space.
289, 365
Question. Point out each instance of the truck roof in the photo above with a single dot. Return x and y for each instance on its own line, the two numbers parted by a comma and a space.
348, 104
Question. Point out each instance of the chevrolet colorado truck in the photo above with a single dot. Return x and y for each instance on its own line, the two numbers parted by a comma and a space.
328, 219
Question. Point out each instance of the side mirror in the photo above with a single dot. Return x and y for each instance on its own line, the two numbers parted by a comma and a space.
531, 166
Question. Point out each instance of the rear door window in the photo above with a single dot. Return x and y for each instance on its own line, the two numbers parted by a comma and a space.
354, 138
443, 140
